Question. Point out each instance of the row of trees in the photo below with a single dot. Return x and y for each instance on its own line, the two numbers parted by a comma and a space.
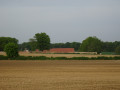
41, 41
90, 44
75, 45
10, 46
32, 45
93, 44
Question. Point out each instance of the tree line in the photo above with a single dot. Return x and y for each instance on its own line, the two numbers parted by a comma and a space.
32, 46
41, 41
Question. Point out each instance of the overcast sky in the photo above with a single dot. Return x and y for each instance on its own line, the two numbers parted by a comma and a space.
62, 20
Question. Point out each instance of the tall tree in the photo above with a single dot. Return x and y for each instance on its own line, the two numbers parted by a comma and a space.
91, 44
43, 41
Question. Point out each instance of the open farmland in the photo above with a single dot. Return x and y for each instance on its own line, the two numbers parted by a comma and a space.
60, 75
64, 55
59, 55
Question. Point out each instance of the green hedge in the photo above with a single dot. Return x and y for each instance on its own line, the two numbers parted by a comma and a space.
58, 58
3, 57
108, 53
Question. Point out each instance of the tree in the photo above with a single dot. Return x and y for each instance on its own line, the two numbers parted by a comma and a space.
117, 50
6, 40
43, 41
91, 44
11, 50
33, 44
25, 45
75, 45
108, 47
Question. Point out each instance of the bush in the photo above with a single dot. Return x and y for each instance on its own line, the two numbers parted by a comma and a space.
79, 58
104, 58
11, 50
3, 57
116, 58
60, 58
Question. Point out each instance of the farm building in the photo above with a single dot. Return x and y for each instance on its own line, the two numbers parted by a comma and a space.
60, 50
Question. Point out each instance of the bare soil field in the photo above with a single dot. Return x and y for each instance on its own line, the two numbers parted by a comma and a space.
60, 75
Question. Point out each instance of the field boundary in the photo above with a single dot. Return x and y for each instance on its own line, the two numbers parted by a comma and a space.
58, 58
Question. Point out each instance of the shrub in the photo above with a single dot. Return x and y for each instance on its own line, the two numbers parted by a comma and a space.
60, 58
3, 57
80, 58
116, 58
11, 50
40, 58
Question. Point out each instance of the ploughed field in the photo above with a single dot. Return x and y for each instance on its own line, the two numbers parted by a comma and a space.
60, 75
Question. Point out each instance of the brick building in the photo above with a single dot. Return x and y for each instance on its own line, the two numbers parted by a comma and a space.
60, 50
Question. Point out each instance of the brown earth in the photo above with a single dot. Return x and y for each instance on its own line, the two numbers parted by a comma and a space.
60, 75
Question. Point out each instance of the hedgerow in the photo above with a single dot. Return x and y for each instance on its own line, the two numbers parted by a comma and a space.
57, 58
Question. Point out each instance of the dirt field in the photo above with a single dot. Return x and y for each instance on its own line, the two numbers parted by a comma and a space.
60, 75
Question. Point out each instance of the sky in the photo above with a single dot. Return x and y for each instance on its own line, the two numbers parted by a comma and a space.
63, 20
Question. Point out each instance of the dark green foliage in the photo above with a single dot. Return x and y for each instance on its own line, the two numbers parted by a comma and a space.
79, 58
25, 45
31, 58
107, 53
93, 58
33, 44
3, 57
104, 58
106, 46
91, 44
43, 41
40, 58
110, 46
58, 58
11, 50
117, 50
6, 40
116, 58
75, 45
